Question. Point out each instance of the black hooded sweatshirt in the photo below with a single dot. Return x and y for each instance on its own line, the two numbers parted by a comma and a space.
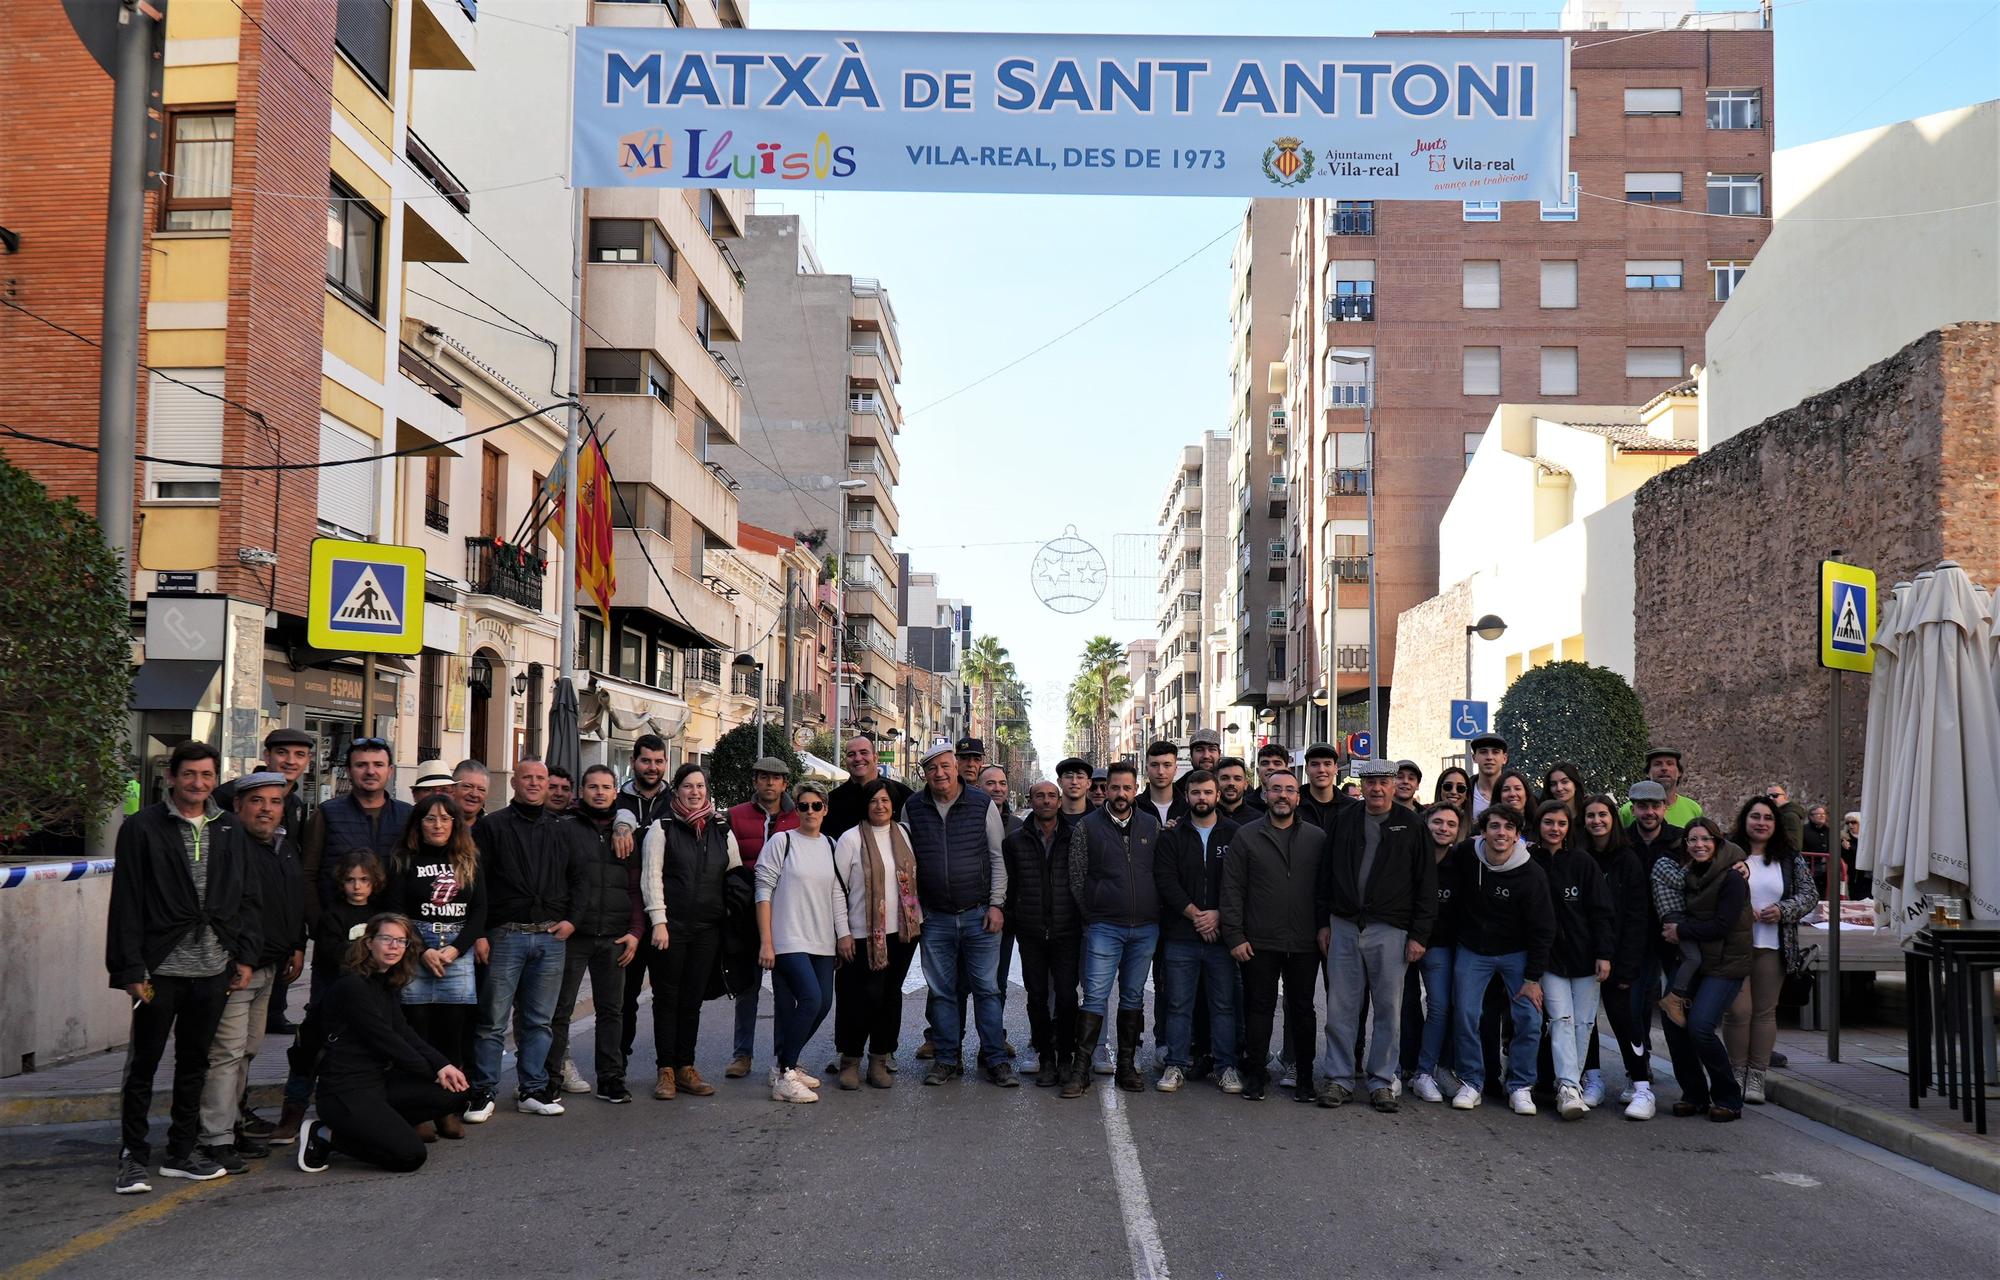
1504, 909
1584, 911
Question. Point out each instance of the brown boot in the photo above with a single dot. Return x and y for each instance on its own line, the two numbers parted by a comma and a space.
289, 1121
878, 1072
850, 1073
925, 1051
451, 1127
428, 1131
1674, 1007
690, 1081
739, 1066
663, 1089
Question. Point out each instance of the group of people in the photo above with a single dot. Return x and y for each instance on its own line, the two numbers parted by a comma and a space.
1468, 942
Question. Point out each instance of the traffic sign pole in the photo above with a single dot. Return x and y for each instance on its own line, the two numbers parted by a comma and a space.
1845, 591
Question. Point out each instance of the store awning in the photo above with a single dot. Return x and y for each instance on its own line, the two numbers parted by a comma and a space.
172, 684
824, 770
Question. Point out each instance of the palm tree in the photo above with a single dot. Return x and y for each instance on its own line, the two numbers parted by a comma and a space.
1104, 684
987, 665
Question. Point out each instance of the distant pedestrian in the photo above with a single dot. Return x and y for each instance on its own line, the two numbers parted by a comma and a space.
1818, 832
1269, 896
1791, 814
605, 908
1506, 926
183, 933
884, 920
435, 883
1718, 918
1781, 894
380, 1081
687, 856
802, 926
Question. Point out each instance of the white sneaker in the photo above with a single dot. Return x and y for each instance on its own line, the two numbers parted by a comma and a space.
530, 1105
1228, 1081
1641, 1107
1395, 1086
1426, 1087
1100, 1063
1466, 1098
481, 1110
572, 1080
1170, 1080
789, 1087
1625, 1095
1522, 1102
1593, 1088
1289, 1077
1569, 1102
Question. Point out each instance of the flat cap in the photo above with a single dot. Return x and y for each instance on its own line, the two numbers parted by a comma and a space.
1074, 764
1375, 769
938, 747
289, 738
772, 765
1205, 738
262, 778
1322, 751
1412, 766
1489, 740
1655, 753
1647, 790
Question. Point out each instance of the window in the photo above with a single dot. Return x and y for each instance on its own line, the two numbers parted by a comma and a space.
1558, 371
1481, 286
437, 495
589, 642
1735, 109
1653, 188
201, 156
492, 484
631, 656
705, 206
1353, 217
704, 320
1482, 371
626, 373
1351, 285
630, 240
353, 245
1472, 439
1559, 284
1482, 211
1727, 275
1741, 194
365, 31
346, 493
1350, 450
664, 665
1566, 210
184, 424
1652, 102
1654, 362
1652, 273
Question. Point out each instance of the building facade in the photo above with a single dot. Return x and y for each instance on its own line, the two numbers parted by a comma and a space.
1195, 538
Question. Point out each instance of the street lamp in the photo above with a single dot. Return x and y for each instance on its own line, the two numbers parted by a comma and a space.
1489, 627
840, 612
1366, 360
1320, 698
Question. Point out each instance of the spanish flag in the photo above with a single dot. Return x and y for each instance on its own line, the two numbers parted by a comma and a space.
596, 557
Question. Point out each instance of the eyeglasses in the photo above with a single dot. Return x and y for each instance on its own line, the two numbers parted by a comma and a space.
391, 940
1451, 786
812, 808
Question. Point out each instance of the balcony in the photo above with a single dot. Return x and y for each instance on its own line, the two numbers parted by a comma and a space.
1278, 439
747, 683
691, 605
873, 313
1277, 559
868, 538
1345, 394
870, 468
437, 209
702, 669
1279, 492
634, 306
696, 248
1352, 221
1344, 482
1345, 568
503, 574
868, 361
1350, 306
442, 35
643, 447
437, 514
428, 403
1277, 621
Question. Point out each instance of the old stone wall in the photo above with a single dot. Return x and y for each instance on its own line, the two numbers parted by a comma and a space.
1898, 468
1430, 672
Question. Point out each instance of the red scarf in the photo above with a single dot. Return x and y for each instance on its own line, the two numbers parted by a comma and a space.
696, 818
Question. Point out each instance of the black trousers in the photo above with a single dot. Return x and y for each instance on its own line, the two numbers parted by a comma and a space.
596, 955
1630, 1012
448, 1028
868, 1003
188, 1009
1050, 970
636, 974
378, 1126
1261, 974
680, 981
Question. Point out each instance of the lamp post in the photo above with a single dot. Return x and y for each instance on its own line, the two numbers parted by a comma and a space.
840, 611
1366, 360
1321, 698
1489, 627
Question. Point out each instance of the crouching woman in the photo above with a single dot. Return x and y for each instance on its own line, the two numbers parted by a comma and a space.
378, 1079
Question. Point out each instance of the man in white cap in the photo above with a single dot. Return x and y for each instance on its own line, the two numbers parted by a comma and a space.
432, 776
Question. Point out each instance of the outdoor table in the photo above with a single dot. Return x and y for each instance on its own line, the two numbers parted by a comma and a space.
1868, 951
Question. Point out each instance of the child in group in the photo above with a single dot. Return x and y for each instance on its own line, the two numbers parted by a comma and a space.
360, 880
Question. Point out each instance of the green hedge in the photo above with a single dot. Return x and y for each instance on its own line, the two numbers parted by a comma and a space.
1580, 713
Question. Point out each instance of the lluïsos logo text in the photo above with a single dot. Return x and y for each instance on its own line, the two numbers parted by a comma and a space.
712, 156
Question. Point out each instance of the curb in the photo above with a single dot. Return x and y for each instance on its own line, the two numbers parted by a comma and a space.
1962, 1158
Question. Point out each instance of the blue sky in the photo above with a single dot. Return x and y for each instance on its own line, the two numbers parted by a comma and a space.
1086, 433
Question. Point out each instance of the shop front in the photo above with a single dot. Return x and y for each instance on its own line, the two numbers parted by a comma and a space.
326, 702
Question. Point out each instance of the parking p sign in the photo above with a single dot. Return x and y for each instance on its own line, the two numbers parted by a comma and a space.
365, 597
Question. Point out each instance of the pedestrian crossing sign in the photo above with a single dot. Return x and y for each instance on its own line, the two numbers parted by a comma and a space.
365, 597
1846, 617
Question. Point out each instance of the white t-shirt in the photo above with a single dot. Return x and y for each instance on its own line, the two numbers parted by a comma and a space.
795, 874
1767, 886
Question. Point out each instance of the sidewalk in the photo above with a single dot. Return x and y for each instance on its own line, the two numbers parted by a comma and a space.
88, 1089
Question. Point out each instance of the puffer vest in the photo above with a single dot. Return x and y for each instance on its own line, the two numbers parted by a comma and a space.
954, 870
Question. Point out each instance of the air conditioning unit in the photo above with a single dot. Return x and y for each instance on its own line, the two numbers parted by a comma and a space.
1276, 619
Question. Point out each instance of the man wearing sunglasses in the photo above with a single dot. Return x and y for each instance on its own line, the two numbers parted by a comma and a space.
768, 811
367, 817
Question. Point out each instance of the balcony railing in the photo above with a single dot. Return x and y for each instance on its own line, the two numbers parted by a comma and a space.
1280, 552
747, 684
867, 404
703, 667
1352, 657
1351, 306
437, 514
1347, 568
722, 476
868, 464
1344, 482
493, 571
1352, 222
1340, 393
437, 173
420, 369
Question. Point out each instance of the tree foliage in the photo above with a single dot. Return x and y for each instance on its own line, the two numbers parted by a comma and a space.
65, 663
729, 764
1576, 712
1100, 685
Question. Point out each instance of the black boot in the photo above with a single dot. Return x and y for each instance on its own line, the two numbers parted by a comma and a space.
1131, 1024
1054, 1069
1089, 1026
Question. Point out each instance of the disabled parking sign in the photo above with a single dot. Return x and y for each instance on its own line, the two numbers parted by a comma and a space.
365, 597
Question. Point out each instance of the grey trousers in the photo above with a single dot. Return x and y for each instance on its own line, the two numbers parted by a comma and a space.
237, 1038
1364, 965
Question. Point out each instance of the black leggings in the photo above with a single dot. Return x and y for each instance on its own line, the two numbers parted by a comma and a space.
378, 1126
868, 1008
448, 1028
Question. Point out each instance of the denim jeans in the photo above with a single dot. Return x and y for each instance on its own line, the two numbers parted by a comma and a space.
1471, 972
1187, 963
801, 997
1571, 1005
1701, 1060
949, 942
1123, 952
1435, 969
527, 967
746, 1021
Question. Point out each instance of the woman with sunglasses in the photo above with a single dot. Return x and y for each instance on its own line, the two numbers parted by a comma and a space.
802, 924
378, 1079
1454, 787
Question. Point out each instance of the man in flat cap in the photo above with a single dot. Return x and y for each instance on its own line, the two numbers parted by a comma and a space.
768, 812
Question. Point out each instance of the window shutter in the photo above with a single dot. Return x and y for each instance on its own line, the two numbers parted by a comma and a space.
1482, 371
1558, 371
346, 494
1652, 102
1354, 269
183, 423
1482, 284
1654, 362
1652, 267
1559, 284
1652, 183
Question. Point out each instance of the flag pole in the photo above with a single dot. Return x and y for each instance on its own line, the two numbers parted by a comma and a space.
572, 544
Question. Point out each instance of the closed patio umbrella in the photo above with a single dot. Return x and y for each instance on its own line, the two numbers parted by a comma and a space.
564, 749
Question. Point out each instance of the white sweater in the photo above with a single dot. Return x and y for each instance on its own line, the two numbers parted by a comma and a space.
795, 874
850, 853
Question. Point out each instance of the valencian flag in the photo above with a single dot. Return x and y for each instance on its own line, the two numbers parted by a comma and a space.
596, 559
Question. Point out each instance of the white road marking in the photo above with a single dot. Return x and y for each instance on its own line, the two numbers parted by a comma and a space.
1142, 1233
1792, 1179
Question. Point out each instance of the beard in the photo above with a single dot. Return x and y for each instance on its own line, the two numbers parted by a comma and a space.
1200, 809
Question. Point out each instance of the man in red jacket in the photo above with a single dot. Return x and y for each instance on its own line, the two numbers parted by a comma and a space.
769, 812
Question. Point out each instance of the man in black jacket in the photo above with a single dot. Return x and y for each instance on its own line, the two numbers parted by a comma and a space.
272, 865
182, 934
1043, 915
1234, 799
1073, 776
1187, 869
605, 910
1321, 799
1378, 898
1269, 893
524, 860
1111, 875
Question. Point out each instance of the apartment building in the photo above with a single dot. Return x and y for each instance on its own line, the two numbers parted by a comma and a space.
1193, 557
933, 633
818, 365
1429, 314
